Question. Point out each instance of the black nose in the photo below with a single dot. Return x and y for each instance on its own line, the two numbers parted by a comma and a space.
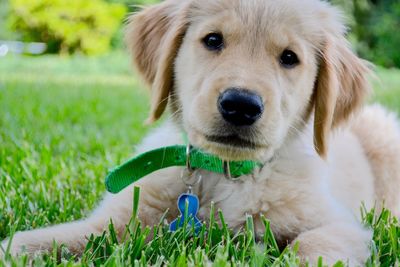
240, 107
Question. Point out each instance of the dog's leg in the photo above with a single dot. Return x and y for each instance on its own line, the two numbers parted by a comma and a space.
74, 235
157, 194
382, 146
348, 242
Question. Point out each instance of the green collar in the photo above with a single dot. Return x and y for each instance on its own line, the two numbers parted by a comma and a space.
146, 163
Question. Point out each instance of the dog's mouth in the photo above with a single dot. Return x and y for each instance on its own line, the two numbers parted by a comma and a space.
230, 145
233, 141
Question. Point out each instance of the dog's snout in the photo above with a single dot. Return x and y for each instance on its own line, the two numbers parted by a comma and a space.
240, 107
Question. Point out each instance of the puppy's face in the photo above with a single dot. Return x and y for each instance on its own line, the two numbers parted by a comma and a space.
244, 75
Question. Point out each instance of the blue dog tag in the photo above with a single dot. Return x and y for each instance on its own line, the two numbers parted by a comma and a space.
192, 203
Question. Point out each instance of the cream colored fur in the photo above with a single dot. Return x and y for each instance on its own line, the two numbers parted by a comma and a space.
323, 155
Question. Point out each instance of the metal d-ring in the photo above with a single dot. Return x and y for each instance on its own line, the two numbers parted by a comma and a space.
191, 171
188, 166
187, 178
227, 171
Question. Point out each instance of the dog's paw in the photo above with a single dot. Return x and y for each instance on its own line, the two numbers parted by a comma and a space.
23, 243
14, 249
347, 243
3, 247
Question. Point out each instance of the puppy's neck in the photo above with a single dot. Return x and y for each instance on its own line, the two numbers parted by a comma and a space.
299, 145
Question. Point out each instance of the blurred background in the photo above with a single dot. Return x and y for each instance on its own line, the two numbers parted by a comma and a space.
95, 27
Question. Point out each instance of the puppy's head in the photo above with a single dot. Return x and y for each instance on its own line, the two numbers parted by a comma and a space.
243, 76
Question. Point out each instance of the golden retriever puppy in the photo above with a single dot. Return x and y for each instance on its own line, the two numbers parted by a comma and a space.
270, 81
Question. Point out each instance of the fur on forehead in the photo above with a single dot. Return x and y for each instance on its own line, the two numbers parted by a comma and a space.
310, 19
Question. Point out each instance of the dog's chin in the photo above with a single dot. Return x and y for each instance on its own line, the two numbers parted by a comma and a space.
231, 147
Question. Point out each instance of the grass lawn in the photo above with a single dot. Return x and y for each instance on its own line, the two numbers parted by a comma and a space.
65, 121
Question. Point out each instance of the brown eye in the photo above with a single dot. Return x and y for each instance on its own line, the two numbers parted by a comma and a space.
214, 41
289, 59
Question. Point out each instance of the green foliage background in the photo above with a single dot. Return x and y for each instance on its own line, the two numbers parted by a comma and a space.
96, 26
132, 4
85, 26
383, 41
374, 25
5, 33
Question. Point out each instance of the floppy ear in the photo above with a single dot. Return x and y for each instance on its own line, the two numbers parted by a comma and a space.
154, 36
340, 89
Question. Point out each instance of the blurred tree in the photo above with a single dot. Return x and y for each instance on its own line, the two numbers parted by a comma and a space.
373, 25
117, 41
5, 33
67, 26
133, 4
356, 12
383, 40
91, 25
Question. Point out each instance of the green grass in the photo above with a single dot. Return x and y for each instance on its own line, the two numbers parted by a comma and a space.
65, 121
387, 88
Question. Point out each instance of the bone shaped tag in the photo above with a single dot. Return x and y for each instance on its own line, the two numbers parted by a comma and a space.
191, 203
